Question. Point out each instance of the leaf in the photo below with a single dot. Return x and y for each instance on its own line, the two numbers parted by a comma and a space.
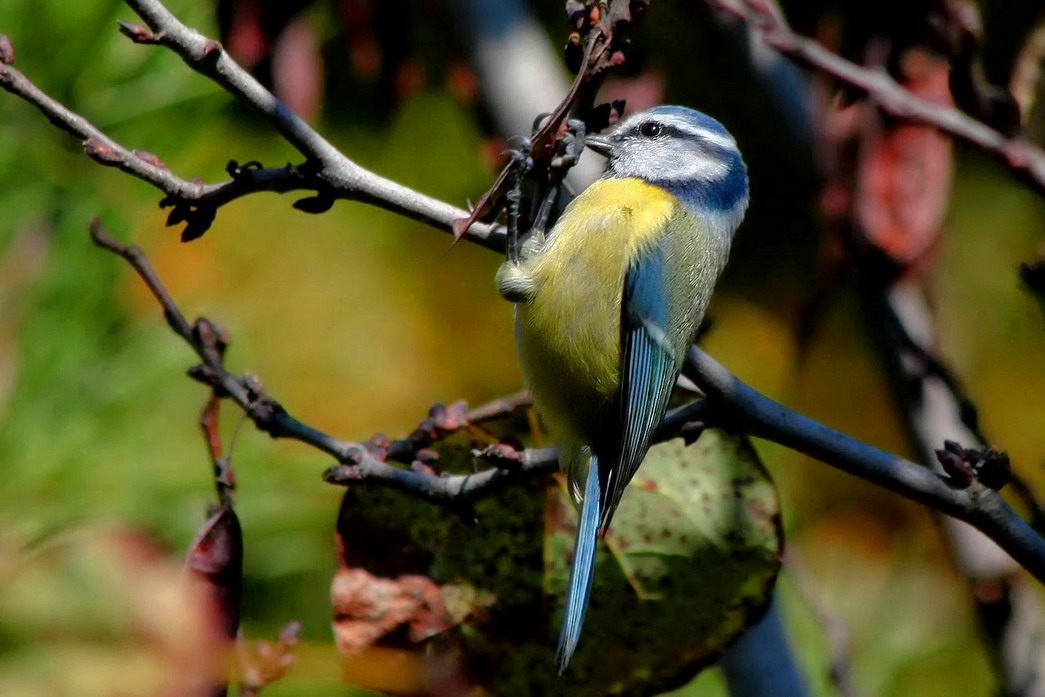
691, 559
216, 559
904, 175
689, 562
713, 499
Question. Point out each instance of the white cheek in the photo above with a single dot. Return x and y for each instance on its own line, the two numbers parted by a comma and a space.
658, 161
703, 168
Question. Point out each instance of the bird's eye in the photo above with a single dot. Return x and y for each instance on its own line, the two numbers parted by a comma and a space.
651, 129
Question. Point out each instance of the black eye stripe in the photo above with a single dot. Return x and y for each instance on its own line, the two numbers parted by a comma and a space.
656, 129
651, 129
669, 130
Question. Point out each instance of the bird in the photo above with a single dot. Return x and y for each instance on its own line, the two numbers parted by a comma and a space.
608, 303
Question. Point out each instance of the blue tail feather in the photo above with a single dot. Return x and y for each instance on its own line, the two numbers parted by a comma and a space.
583, 568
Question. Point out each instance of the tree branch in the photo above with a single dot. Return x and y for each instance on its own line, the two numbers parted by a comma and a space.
1020, 155
345, 179
358, 464
973, 502
326, 171
363, 463
728, 397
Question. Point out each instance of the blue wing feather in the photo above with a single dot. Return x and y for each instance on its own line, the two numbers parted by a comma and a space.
582, 569
649, 369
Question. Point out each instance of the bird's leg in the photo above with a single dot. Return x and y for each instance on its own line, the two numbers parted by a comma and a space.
571, 145
522, 163
513, 281
570, 148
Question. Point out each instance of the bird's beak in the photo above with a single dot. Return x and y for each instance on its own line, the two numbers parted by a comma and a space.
601, 144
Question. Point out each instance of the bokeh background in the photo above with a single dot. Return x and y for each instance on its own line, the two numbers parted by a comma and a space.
358, 320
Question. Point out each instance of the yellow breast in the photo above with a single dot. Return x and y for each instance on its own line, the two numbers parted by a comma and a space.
569, 333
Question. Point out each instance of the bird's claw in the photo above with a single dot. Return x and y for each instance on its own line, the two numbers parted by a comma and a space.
571, 145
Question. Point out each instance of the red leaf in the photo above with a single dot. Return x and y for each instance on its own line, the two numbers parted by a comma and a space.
216, 558
904, 174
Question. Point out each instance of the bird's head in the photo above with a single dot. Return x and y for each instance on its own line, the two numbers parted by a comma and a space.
680, 149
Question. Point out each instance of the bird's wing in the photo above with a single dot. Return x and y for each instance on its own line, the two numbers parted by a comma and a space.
649, 369
582, 569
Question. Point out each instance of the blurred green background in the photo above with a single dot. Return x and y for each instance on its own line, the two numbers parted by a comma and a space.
357, 320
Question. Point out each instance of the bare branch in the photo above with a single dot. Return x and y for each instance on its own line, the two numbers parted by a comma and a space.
357, 463
345, 179
729, 399
976, 504
327, 171
364, 463
442, 422
1020, 155
104, 150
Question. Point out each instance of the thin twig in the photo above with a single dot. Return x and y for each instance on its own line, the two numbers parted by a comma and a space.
743, 406
224, 477
345, 178
357, 464
728, 399
1020, 155
326, 171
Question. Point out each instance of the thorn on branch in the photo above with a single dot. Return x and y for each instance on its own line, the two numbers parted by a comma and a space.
320, 203
966, 465
378, 446
204, 375
255, 388
101, 153
502, 455
691, 431
237, 171
139, 34
149, 157
7, 50
422, 464
198, 216
212, 51
210, 337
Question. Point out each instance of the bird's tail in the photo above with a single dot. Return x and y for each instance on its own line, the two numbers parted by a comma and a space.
583, 568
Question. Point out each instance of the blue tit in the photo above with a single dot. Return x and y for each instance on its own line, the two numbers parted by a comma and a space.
608, 305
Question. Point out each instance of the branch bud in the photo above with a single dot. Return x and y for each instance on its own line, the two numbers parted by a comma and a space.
7, 51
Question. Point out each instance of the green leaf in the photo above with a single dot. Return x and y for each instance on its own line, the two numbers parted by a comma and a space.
690, 561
